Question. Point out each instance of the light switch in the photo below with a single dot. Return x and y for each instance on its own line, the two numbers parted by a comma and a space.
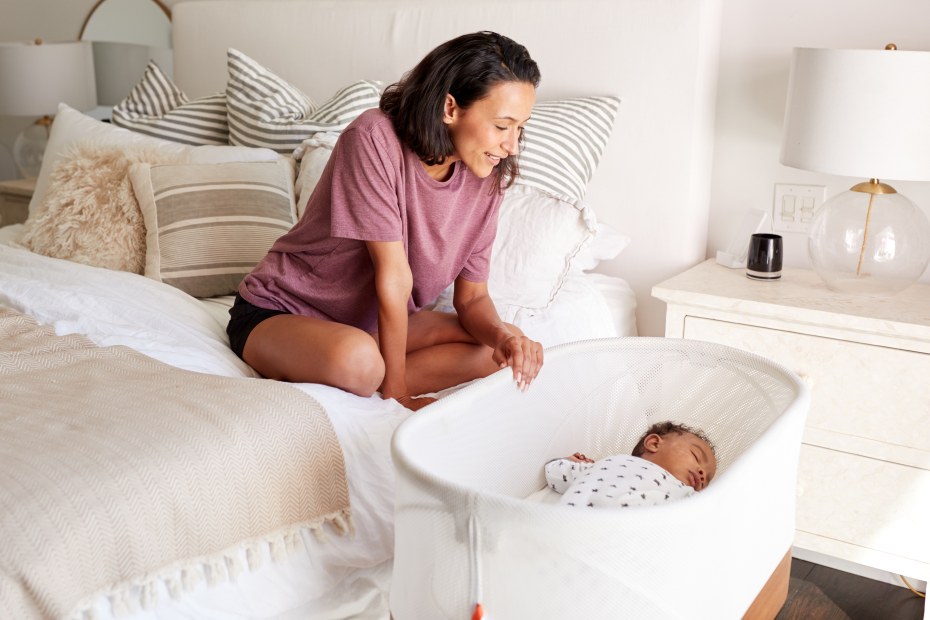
795, 205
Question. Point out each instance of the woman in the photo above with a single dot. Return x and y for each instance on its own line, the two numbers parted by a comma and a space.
407, 204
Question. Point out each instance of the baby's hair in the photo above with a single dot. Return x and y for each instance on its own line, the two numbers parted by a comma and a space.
664, 428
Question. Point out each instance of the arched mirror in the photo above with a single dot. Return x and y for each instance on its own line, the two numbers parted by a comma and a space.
126, 34
144, 22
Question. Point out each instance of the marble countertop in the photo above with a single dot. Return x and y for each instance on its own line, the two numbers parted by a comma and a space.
800, 295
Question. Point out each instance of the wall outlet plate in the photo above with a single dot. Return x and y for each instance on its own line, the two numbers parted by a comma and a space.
795, 205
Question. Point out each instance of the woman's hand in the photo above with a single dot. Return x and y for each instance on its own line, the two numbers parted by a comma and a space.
523, 355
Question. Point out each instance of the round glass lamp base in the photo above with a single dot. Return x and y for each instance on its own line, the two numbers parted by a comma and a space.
872, 243
29, 148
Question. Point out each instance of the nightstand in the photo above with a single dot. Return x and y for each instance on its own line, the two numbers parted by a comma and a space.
864, 474
14, 200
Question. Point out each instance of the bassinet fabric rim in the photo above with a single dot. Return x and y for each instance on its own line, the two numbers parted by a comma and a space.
420, 475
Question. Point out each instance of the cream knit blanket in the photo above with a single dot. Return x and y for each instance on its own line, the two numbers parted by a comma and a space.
117, 471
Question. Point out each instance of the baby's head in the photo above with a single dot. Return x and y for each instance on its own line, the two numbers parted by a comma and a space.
684, 452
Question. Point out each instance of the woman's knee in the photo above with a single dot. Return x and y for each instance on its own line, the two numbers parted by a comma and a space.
357, 365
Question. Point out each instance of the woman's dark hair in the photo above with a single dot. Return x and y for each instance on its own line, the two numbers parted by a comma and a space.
465, 67
664, 428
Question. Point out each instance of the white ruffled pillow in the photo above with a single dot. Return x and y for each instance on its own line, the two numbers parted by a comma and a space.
541, 242
313, 154
539, 238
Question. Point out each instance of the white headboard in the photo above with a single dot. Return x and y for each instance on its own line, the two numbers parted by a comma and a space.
658, 56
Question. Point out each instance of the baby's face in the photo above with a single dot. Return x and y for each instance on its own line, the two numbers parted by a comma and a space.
686, 456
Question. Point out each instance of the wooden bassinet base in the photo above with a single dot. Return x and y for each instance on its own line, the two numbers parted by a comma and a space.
773, 594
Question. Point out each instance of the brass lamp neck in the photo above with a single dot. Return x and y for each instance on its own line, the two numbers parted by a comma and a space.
873, 186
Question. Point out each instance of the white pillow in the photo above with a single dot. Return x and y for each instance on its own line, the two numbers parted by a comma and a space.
71, 126
313, 154
607, 244
538, 239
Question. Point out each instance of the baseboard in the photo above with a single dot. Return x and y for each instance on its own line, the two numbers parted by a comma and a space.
856, 569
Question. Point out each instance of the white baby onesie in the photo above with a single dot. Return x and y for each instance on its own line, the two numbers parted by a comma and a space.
619, 481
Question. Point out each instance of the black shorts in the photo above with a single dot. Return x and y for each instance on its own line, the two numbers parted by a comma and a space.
243, 318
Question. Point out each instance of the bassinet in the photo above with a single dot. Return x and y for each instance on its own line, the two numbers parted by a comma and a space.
464, 531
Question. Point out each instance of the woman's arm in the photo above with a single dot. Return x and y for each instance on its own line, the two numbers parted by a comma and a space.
393, 284
477, 314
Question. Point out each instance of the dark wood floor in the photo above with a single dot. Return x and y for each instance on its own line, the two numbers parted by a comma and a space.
820, 593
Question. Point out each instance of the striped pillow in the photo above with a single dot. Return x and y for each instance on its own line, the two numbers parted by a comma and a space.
563, 143
158, 108
208, 225
265, 111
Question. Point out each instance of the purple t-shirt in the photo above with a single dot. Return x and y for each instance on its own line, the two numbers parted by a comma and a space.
374, 188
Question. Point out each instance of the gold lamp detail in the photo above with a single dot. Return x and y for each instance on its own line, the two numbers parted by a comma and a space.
863, 113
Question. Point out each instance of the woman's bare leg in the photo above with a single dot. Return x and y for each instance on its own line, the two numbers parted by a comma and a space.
301, 349
441, 354
445, 365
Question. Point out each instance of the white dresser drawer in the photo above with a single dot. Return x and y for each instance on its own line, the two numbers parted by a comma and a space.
864, 471
859, 390
869, 511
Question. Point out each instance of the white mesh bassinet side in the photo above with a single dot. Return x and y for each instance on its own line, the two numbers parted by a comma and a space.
464, 465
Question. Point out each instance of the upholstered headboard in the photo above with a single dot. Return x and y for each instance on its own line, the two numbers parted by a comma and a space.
658, 56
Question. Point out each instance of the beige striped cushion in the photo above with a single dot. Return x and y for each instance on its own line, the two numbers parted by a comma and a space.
208, 225
264, 110
157, 107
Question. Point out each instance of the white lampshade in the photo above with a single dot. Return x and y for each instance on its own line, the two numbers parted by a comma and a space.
119, 67
34, 79
859, 113
866, 114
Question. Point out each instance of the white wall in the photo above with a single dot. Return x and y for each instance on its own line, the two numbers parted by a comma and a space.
755, 54
755, 51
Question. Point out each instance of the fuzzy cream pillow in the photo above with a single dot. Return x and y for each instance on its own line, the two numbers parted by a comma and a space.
90, 214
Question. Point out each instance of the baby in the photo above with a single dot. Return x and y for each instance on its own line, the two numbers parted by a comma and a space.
670, 461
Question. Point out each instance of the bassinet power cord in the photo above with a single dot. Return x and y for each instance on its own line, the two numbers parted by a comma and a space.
474, 542
912, 588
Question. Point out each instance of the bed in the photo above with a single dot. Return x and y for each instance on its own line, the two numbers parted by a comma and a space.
575, 261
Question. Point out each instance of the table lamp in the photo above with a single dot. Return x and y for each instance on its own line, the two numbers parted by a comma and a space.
863, 113
34, 78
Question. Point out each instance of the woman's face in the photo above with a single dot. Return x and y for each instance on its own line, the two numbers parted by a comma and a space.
489, 130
